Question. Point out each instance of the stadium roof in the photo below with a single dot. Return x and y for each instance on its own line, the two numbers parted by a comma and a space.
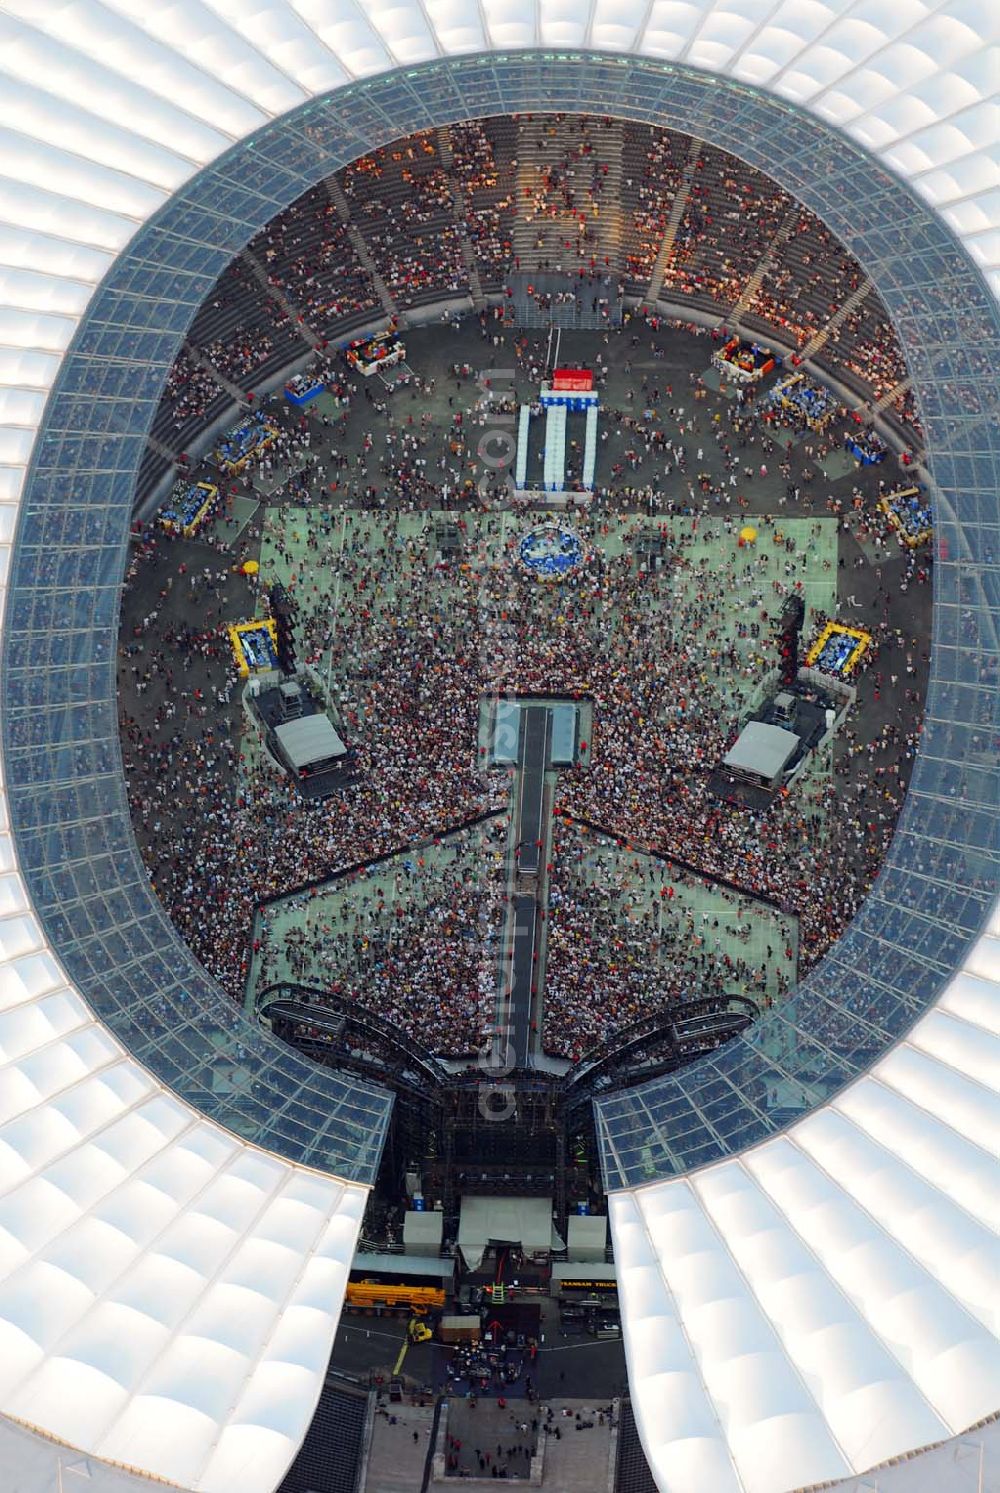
168, 1291
828, 1299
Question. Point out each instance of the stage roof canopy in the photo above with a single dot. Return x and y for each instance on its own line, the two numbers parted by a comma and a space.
311, 738
762, 749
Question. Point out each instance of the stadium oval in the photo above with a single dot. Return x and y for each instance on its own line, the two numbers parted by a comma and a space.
64, 773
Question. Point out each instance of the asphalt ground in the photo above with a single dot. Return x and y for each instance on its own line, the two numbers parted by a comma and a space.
584, 1367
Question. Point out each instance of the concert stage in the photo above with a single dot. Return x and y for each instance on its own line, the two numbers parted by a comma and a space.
804, 712
301, 739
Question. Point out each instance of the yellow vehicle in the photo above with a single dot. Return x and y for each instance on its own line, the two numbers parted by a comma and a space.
375, 1295
418, 1332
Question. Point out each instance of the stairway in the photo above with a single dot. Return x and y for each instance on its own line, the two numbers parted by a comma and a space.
336, 194
767, 259
556, 238
278, 295
820, 338
891, 395
674, 222
161, 450
610, 149
459, 211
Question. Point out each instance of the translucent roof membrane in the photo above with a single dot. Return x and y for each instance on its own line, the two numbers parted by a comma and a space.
827, 1301
168, 1293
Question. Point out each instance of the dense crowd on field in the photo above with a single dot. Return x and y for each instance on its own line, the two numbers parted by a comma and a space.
418, 935
628, 933
410, 639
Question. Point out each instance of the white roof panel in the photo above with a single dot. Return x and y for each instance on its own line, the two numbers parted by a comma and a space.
151, 1266
858, 1253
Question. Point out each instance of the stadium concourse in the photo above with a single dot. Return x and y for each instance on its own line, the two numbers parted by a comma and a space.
758, 1052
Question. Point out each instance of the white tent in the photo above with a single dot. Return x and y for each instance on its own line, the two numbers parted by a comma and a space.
761, 751
523, 1222
308, 740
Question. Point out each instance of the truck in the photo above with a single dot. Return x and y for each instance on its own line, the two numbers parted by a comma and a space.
459, 1330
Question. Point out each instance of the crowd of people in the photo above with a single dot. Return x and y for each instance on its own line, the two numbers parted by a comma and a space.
402, 202
240, 357
653, 167
580, 194
485, 176
415, 939
189, 390
308, 254
563, 186
626, 936
730, 222
411, 638
238, 327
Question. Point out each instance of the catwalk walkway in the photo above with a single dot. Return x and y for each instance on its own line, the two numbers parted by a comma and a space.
527, 884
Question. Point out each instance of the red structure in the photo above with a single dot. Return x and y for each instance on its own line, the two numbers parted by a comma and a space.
572, 380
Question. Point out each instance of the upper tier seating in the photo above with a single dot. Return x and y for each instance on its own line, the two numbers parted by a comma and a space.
309, 274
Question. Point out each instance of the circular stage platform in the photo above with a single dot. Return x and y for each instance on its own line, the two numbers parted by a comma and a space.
551, 551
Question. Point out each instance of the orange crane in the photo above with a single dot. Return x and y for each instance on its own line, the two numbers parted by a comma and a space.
376, 1295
